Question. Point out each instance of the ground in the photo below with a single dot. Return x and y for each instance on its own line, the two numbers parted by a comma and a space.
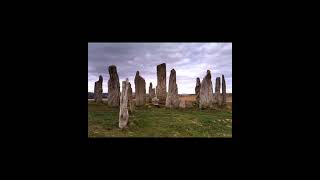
149, 121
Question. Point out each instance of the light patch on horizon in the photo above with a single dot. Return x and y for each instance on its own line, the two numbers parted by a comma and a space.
190, 60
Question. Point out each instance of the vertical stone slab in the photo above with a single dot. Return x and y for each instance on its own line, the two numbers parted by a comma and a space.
98, 90
113, 87
124, 114
217, 92
140, 87
172, 100
161, 88
130, 99
206, 92
197, 91
224, 91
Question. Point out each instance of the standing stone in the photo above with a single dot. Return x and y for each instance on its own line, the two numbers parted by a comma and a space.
224, 91
98, 90
140, 87
161, 88
172, 100
130, 99
182, 104
197, 90
113, 87
206, 92
124, 114
152, 93
217, 92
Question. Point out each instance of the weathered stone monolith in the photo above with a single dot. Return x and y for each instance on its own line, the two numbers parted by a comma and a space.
140, 87
124, 114
130, 99
224, 91
217, 94
172, 100
152, 93
161, 88
113, 87
206, 92
98, 90
197, 90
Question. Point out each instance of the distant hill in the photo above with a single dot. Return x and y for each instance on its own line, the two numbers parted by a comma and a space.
91, 95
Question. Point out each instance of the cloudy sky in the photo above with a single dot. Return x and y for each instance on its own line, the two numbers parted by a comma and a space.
190, 60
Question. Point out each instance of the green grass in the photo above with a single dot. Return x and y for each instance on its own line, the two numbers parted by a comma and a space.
159, 122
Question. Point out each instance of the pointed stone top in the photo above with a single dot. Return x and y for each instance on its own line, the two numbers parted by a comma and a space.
208, 72
198, 80
218, 78
173, 70
151, 84
112, 69
137, 73
222, 76
100, 78
127, 79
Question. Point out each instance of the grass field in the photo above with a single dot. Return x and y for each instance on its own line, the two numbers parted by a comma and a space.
150, 121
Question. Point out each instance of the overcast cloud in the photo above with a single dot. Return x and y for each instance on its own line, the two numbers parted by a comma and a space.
190, 60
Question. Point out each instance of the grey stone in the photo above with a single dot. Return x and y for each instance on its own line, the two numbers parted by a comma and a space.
140, 87
218, 97
206, 92
172, 100
124, 114
98, 90
197, 90
113, 87
130, 99
224, 91
161, 89
152, 93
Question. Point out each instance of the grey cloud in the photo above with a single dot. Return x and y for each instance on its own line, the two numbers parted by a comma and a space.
190, 60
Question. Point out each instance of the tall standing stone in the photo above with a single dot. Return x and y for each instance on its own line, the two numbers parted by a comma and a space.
224, 91
130, 99
206, 92
140, 87
161, 88
98, 90
172, 100
152, 93
113, 87
197, 90
124, 114
217, 92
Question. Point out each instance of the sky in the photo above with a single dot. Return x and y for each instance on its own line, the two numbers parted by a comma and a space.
190, 60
